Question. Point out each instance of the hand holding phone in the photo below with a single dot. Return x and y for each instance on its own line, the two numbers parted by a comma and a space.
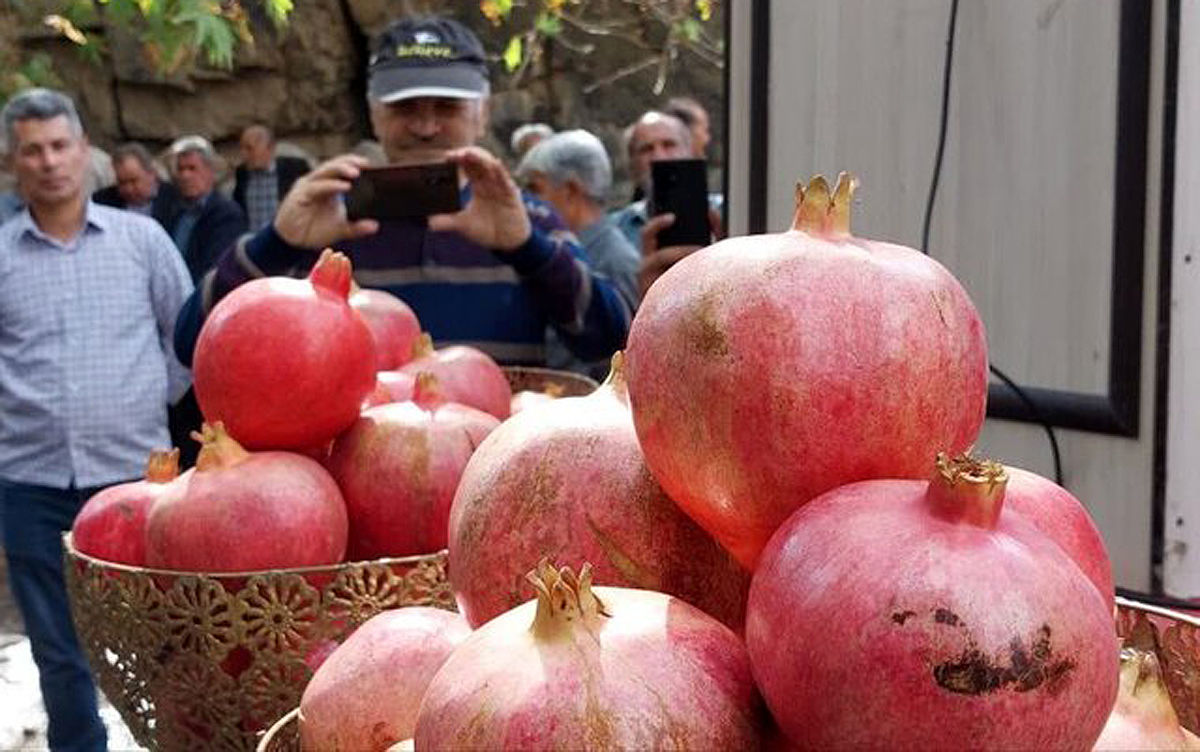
680, 187
402, 192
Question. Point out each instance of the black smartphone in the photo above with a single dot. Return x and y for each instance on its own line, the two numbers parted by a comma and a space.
404, 191
680, 186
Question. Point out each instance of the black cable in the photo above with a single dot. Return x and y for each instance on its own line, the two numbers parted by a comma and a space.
929, 203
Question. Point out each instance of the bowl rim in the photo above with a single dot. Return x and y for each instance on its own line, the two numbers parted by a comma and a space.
275, 728
1158, 611
69, 547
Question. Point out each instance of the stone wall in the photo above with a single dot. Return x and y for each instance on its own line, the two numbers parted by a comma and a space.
307, 81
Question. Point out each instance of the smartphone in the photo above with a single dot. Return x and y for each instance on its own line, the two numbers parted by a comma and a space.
403, 192
680, 186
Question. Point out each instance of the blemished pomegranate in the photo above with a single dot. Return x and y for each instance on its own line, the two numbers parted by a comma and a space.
1062, 518
1143, 717
112, 524
593, 668
366, 694
568, 482
398, 467
242, 511
393, 325
467, 375
286, 363
900, 614
765, 370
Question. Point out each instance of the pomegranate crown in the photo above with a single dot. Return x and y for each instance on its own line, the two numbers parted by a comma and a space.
333, 272
217, 448
821, 213
162, 466
562, 599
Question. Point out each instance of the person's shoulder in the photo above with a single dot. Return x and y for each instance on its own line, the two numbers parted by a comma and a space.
284, 161
108, 196
541, 214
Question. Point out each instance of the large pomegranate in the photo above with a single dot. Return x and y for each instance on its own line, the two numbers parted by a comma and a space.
286, 363
1064, 519
603, 668
899, 614
112, 524
398, 467
393, 325
1143, 717
238, 511
365, 696
766, 370
467, 375
568, 481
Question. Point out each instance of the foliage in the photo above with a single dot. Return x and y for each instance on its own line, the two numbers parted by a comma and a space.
663, 28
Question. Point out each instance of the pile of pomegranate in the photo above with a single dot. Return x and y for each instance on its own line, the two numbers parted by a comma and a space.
766, 528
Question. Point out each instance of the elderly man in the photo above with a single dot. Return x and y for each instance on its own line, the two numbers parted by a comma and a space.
493, 275
263, 178
88, 299
653, 136
692, 114
138, 187
207, 222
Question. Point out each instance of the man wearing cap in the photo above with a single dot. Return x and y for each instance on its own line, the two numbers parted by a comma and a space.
493, 275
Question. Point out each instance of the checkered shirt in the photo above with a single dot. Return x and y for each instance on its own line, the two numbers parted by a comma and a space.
86, 362
262, 197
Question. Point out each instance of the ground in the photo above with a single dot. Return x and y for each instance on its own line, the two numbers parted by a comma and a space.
22, 719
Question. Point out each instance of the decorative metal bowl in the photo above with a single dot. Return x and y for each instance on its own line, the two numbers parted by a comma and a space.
284, 735
564, 383
207, 661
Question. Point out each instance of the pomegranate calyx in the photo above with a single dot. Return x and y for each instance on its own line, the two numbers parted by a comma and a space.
423, 347
563, 599
968, 489
820, 213
1141, 677
332, 272
428, 390
219, 450
616, 377
162, 466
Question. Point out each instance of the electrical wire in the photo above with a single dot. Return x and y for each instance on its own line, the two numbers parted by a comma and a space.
947, 67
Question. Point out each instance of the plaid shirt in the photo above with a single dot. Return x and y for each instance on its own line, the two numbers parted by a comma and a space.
86, 365
262, 197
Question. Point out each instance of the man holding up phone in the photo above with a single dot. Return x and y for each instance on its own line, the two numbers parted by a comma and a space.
492, 275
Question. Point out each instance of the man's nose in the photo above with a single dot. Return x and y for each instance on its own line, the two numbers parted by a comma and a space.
423, 123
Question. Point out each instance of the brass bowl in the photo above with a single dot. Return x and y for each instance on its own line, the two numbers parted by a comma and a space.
1174, 637
206, 661
568, 383
284, 735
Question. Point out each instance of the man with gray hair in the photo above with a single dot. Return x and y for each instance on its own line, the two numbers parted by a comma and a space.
207, 222
88, 299
527, 136
139, 188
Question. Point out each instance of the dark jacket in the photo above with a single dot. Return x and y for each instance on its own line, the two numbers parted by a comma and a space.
220, 224
164, 207
287, 171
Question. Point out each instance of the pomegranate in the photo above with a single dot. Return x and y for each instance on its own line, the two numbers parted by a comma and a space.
398, 384
1064, 520
286, 363
568, 481
467, 375
398, 467
112, 524
602, 668
366, 694
766, 370
527, 398
1143, 718
900, 614
393, 326
238, 511
380, 395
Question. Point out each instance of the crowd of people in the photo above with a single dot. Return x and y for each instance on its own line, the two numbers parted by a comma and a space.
103, 292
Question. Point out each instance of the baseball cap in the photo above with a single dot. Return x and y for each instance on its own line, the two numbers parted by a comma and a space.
427, 57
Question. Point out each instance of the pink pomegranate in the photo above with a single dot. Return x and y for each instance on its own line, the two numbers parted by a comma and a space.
380, 395
1064, 520
366, 694
568, 481
527, 398
766, 370
112, 524
286, 363
899, 614
602, 668
1143, 717
239, 511
467, 375
399, 385
398, 467
393, 326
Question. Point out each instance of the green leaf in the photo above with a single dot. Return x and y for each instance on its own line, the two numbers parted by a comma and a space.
704, 8
548, 24
690, 28
211, 34
278, 11
513, 54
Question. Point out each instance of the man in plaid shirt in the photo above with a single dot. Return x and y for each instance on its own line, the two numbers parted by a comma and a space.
88, 300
